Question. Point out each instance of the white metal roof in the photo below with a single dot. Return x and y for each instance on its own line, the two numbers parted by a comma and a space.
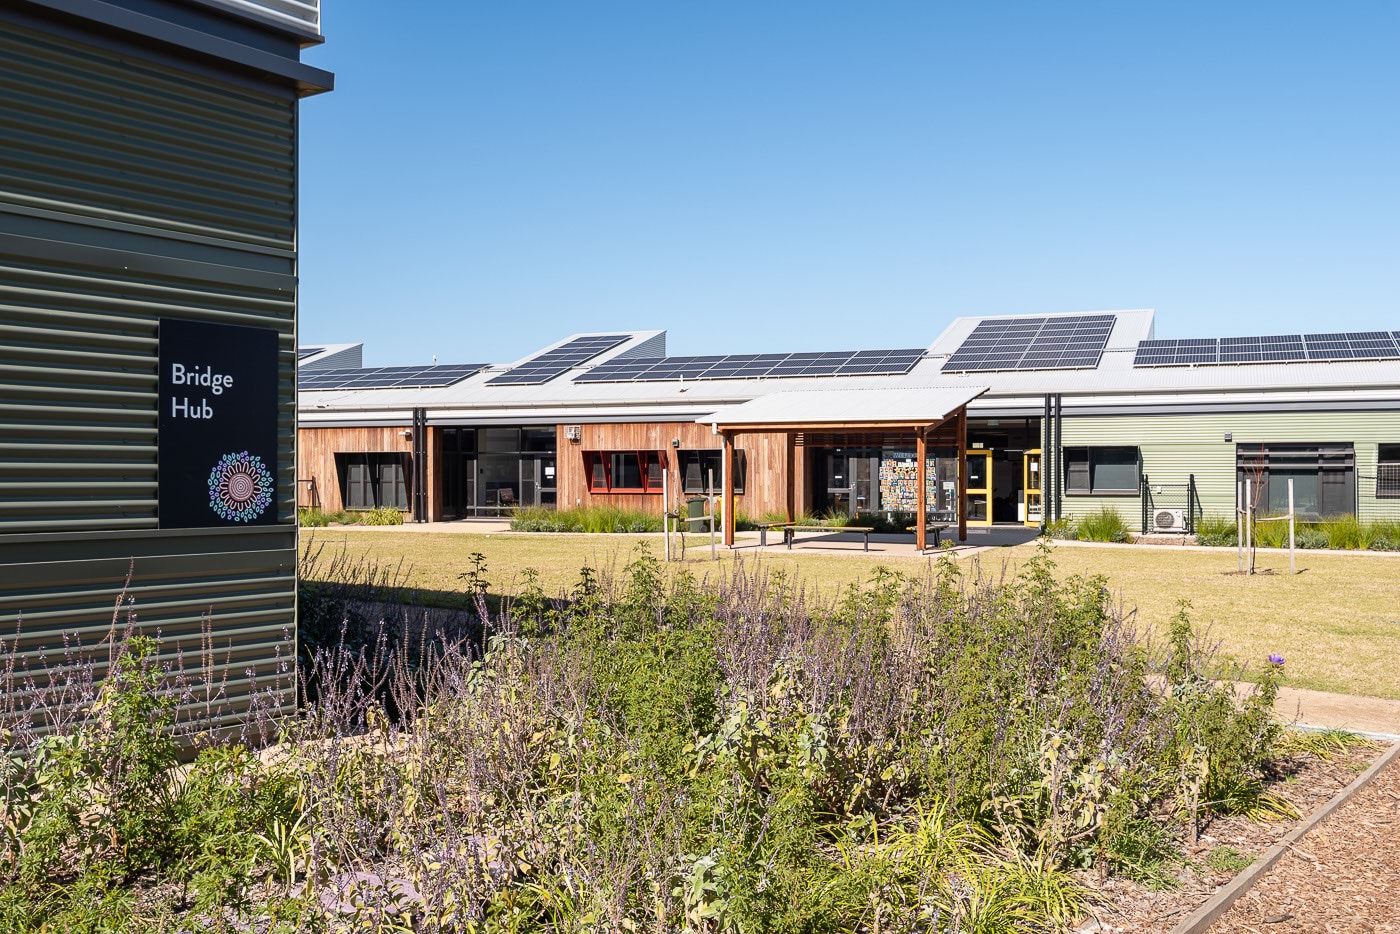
564, 400
925, 404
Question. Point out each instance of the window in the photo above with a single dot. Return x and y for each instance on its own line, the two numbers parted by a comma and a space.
1323, 475
1101, 470
1388, 472
624, 471
368, 481
697, 467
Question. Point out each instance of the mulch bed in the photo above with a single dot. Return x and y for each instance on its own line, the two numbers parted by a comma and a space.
1306, 782
1344, 876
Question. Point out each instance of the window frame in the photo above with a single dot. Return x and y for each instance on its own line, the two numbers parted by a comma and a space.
1390, 459
701, 455
1334, 464
1072, 469
362, 479
592, 460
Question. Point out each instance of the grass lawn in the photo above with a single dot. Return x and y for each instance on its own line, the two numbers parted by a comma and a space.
1337, 623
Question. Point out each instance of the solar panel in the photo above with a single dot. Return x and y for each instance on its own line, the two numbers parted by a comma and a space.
388, 377
755, 366
546, 366
1177, 352
1064, 342
1351, 345
304, 352
1277, 348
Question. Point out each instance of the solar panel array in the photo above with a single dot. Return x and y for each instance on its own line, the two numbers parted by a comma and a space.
754, 366
388, 377
1056, 343
546, 366
1278, 348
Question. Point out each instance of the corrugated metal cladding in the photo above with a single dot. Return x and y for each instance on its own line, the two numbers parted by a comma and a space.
1173, 447
137, 182
89, 132
78, 414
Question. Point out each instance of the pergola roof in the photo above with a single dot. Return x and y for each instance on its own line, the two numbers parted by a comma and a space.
911, 406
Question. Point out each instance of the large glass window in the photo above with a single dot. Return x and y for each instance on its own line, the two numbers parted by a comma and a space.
697, 467
368, 481
624, 471
1323, 475
1101, 470
1388, 471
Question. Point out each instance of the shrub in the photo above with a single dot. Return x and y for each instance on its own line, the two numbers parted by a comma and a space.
312, 518
1062, 529
381, 515
1310, 536
103, 807
1336, 532
595, 519
653, 752
1106, 525
1217, 530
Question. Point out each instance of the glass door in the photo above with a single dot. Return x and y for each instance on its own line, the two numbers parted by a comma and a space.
1032, 505
979, 487
839, 485
537, 483
865, 485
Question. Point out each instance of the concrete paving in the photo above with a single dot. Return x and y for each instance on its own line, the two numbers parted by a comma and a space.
1374, 716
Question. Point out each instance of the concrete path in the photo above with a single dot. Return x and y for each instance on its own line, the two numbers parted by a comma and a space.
1371, 715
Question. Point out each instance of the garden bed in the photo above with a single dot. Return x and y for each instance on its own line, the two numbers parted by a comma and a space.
1228, 845
1343, 876
647, 752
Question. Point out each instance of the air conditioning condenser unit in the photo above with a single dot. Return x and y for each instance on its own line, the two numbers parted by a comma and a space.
1169, 520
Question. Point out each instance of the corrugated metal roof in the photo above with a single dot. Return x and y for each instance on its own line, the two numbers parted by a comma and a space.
563, 399
922, 404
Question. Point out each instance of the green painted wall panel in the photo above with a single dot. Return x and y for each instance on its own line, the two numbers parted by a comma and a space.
1175, 446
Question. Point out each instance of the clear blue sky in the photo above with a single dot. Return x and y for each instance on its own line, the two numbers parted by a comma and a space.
768, 176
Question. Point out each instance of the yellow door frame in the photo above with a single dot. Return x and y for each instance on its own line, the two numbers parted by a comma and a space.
985, 490
1032, 499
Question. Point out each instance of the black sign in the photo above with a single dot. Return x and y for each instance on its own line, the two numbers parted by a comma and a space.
218, 425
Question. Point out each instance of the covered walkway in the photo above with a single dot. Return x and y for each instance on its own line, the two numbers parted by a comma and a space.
929, 415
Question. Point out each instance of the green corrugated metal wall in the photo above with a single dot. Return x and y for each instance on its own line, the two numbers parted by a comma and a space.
132, 190
92, 134
1177, 445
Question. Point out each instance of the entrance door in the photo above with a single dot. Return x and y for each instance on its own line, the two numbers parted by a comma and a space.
853, 481
979, 487
1032, 506
537, 483
839, 485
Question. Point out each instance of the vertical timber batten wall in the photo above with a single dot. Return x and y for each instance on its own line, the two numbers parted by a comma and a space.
140, 180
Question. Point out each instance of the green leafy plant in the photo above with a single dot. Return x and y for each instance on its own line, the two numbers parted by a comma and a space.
1227, 859
381, 515
1106, 525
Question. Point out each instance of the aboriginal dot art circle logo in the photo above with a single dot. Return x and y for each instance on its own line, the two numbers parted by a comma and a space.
240, 487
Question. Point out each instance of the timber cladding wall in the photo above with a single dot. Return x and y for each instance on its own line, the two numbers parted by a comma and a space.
766, 454
140, 181
316, 451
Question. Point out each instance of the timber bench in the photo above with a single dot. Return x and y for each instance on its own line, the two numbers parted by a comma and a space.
790, 531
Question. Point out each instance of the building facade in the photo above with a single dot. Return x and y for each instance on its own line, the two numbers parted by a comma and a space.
1076, 413
148, 219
